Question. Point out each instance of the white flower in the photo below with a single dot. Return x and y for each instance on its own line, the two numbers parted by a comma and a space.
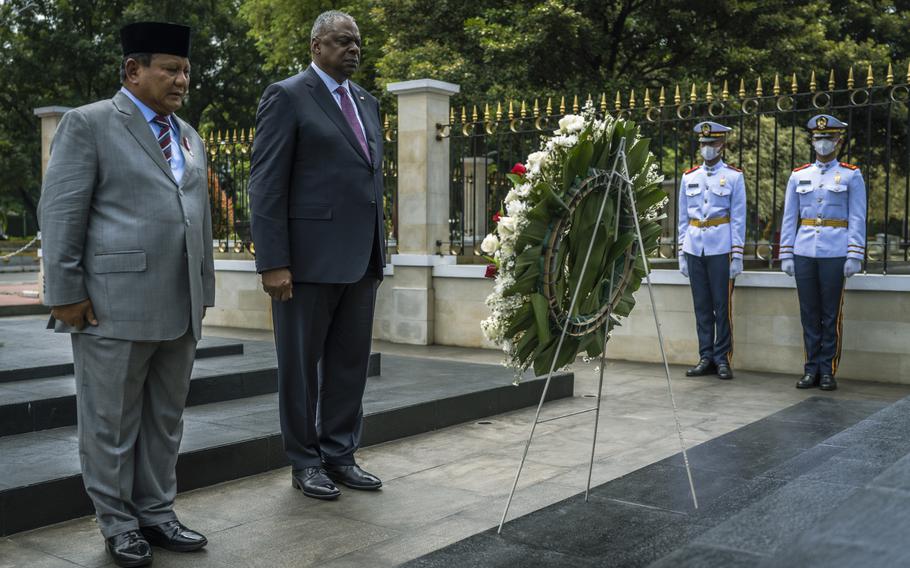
510, 224
536, 160
507, 248
523, 190
511, 196
516, 208
490, 244
571, 123
566, 141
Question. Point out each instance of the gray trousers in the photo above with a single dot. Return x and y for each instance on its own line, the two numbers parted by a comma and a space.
130, 397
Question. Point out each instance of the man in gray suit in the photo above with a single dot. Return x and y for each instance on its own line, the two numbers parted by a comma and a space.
317, 223
127, 247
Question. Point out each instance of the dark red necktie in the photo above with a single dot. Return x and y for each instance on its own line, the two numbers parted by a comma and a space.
164, 136
347, 108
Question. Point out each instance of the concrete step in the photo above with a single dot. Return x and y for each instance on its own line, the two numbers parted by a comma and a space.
41, 484
223, 371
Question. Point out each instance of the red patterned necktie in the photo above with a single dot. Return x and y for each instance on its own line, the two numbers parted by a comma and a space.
164, 136
347, 108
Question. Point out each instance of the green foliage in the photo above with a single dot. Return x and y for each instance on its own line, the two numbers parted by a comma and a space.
67, 53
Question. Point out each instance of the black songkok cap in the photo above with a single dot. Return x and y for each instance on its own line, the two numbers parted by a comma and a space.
155, 37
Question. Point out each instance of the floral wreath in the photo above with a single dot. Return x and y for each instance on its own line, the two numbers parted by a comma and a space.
538, 246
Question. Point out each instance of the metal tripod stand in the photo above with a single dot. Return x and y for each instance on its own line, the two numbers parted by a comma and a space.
618, 174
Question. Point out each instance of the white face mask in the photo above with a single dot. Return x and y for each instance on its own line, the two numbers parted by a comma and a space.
709, 152
824, 146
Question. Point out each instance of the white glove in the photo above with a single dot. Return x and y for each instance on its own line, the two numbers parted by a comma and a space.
736, 267
683, 266
852, 266
787, 266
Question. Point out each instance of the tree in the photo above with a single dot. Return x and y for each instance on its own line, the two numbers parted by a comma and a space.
67, 52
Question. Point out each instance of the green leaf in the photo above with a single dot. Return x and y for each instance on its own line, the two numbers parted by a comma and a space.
527, 344
541, 316
515, 179
577, 163
636, 155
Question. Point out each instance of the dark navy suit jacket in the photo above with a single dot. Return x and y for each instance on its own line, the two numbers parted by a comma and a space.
315, 198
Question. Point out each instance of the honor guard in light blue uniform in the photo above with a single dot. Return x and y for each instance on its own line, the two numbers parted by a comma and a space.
823, 242
712, 229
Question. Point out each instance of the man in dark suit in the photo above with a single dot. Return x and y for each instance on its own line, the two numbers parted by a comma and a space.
315, 196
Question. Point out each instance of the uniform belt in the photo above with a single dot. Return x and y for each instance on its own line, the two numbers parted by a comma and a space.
824, 223
712, 222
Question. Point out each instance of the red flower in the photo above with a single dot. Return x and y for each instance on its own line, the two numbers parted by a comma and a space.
492, 269
497, 216
519, 169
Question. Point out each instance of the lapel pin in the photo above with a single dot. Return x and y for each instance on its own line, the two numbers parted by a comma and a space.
837, 177
723, 181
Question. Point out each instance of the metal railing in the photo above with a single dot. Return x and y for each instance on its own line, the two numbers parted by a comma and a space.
768, 141
229, 156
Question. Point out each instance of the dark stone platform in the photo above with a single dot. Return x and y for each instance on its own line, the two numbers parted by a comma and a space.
231, 423
825, 482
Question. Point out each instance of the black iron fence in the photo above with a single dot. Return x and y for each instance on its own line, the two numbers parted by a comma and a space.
229, 175
768, 141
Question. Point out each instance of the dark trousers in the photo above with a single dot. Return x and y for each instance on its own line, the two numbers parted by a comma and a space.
820, 287
322, 337
712, 294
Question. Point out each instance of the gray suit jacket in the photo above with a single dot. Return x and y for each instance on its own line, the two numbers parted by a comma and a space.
118, 229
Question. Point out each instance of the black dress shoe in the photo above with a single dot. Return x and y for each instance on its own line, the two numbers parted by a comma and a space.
808, 381
827, 383
353, 477
704, 367
724, 371
172, 535
314, 482
129, 549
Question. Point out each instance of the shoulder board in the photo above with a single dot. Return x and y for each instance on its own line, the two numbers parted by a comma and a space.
734, 168
802, 167
849, 166
690, 170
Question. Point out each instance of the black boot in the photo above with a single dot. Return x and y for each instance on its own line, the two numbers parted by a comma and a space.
704, 367
724, 371
808, 381
827, 383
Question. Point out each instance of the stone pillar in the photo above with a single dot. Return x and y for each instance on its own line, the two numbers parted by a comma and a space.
423, 206
50, 117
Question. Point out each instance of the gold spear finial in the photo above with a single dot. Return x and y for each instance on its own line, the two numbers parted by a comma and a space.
742, 88
536, 110
575, 105
725, 94
242, 136
693, 96
474, 115
794, 87
524, 109
589, 100
603, 102
632, 99
549, 108
662, 97
235, 136
498, 110
562, 105
464, 116
511, 110
869, 79
776, 88
451, 115
758, 91
486, 112
676, 97
211, 137
908, 72
618, 103
709, 96
889, 80
831, 83
218, 138
850, 78
647, 98
812, 84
